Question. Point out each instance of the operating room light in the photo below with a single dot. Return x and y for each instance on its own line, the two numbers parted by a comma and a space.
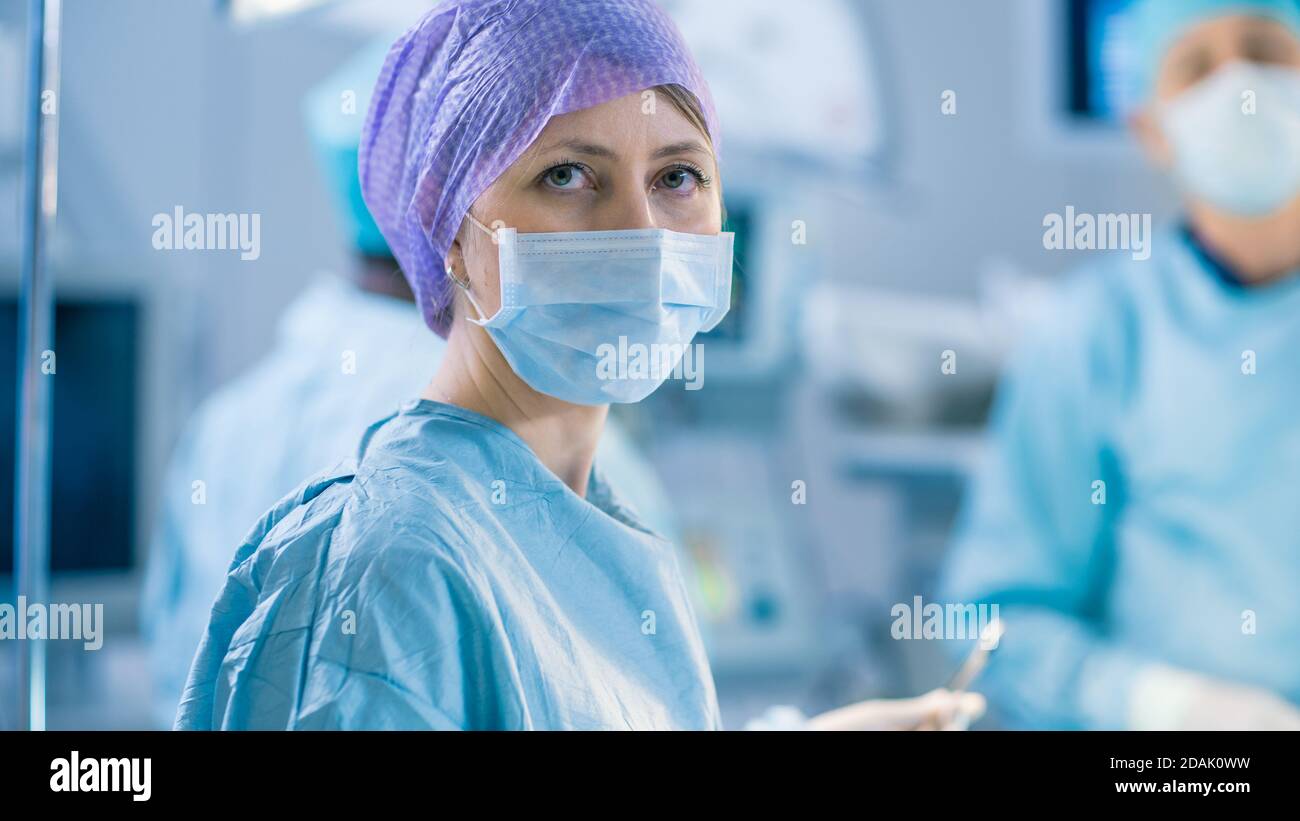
254, 11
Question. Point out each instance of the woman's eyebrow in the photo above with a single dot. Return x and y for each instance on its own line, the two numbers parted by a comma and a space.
684, 147
580, 147
594, 150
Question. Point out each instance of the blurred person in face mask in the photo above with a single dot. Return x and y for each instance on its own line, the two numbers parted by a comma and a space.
1136, 520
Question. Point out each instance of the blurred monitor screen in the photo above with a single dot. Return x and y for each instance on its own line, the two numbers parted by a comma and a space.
740, 221
92, 496
1095, 53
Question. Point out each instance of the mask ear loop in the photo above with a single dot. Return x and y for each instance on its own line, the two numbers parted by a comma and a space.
482, 227
464, 286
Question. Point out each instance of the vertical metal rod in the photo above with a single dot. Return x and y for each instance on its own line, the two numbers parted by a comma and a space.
36, 336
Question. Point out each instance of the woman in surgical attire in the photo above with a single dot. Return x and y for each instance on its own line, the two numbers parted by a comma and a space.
1137, 521
547, 175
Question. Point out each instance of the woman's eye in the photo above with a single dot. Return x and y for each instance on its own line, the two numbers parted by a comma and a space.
675, 178
681, 180
566, 177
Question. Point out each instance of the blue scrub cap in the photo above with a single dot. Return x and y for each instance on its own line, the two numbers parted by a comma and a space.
467, 90
334, 111
1155, 25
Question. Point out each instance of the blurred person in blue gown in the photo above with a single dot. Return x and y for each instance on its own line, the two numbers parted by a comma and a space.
1136, 521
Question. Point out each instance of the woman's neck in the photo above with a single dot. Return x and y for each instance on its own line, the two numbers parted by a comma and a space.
1259, 250
473, 375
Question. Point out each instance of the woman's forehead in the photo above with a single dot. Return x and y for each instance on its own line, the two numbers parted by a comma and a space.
637, 123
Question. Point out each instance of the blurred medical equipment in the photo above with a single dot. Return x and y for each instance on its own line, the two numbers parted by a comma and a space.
1075, 56
35, 343
1093, 47
754, 590
915, 360
897, 389
904, 380
13, 116
93, 427
255, 11
891, 349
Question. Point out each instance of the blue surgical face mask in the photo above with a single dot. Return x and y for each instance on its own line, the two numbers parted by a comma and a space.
1238, 151
576, 306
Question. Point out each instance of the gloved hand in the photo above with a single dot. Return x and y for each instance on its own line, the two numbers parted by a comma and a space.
1167, 698
936, 710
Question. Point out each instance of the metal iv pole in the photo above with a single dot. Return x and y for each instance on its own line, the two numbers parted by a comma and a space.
36, 336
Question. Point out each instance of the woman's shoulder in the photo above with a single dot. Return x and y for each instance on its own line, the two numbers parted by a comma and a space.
415, 490
443, 458
360, 511
333, 577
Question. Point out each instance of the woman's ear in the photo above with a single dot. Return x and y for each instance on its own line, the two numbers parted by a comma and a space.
464, 287
455, 262
1152, 138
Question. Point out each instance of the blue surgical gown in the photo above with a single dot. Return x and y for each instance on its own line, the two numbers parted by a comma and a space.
297, 412
1139, 378
446, 579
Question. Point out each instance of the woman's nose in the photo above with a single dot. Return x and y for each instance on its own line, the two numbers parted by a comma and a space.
629, 210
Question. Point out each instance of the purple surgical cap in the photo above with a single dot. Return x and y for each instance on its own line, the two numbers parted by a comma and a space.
467, 90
